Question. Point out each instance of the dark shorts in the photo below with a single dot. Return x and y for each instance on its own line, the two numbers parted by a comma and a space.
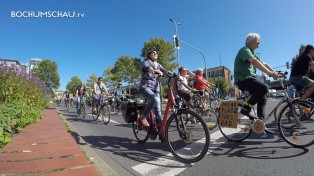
300, 80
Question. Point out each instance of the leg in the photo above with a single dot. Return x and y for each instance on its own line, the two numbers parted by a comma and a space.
151, 97
258, 90
309, 91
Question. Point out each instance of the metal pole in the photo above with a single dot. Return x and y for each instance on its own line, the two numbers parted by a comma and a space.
176, 30
198, 51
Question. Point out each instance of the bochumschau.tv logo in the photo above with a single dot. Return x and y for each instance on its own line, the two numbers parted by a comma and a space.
46, 14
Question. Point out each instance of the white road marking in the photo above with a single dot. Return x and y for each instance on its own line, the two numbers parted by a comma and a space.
168, 165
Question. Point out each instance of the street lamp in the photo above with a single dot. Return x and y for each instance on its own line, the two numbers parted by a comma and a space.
175, 39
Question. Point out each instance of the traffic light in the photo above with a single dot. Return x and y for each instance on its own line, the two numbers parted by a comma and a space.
287, 65
176, 41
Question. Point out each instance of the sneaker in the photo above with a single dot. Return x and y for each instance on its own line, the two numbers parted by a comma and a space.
248, 113
144, 122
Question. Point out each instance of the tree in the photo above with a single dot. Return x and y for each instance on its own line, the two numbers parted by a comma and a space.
90, 82
127, 69
165, 52
73, 84
47, 72
110, 79
223, 85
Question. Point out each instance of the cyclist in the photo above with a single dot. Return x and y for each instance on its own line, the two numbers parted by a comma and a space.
149, 86
300, 67
80, 93
118, 94
66, 97
245, 65
99, 87
202, 85
184, 90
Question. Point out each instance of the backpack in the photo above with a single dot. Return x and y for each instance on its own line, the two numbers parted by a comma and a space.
174, 86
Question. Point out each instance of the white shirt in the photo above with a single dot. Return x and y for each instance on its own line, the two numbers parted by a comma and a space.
179, 83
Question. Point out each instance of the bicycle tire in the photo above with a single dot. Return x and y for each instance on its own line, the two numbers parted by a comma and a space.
104, 113
83, 110
294, 125
95, 115
241, 132
181, 136
141, 134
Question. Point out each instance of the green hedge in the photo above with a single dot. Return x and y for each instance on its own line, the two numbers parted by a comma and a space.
23, 98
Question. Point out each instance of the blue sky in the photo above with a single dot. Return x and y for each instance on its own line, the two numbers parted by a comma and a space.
112, 28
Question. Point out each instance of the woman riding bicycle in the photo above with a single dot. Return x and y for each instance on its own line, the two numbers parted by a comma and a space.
245, 65
184, 90
202, 85
149, 86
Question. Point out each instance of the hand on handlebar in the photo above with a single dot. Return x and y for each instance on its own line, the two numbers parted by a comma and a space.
158, 72
274, 75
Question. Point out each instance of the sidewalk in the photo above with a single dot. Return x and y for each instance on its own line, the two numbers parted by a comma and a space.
45, 148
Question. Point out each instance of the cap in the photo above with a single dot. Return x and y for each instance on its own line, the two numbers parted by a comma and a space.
100, 78
150, 50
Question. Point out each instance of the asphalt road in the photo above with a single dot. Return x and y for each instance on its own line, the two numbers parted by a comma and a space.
115, 146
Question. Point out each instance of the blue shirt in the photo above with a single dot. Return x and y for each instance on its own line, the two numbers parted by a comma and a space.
148, 79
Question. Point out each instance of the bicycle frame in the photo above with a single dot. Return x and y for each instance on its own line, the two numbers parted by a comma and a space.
170, 103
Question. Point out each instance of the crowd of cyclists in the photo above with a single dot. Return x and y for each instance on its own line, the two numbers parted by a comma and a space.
246, 63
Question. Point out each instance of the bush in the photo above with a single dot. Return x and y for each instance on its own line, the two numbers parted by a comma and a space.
22, 100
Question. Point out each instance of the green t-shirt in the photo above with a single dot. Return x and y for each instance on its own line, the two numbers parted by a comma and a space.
243, 68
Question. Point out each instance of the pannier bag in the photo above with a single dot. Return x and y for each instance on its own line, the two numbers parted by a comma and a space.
129, 111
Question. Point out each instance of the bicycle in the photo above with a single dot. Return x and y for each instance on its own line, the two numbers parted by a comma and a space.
67, 103
81, 112
208, 114
188, 142
297, 112
102, 109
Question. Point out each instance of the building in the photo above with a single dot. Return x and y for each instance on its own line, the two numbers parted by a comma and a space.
11, 63
33, 62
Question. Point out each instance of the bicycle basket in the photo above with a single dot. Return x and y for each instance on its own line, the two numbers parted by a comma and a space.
129, 111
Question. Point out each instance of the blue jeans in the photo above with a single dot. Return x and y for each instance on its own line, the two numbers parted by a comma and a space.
153, 103
78, 101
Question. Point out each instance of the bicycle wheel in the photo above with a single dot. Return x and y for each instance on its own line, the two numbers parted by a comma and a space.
95, 114
210, 117
241, 132
83, 110
295, 124
188, 142
104, 113
141, 134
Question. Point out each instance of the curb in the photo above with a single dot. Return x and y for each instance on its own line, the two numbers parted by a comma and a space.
103, 168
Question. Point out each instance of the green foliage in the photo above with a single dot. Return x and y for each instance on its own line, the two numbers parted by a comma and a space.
165, 52
222, 84
73, 84
23, 98
47, 71
91, 81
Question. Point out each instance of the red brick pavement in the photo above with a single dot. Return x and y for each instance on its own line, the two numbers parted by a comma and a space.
46, 149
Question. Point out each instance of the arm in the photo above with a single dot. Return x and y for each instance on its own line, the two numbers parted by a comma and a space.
257, 64
94, 90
